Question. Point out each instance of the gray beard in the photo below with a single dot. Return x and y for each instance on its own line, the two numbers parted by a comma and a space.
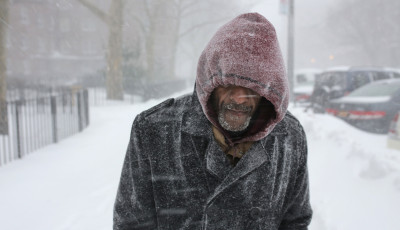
225, 125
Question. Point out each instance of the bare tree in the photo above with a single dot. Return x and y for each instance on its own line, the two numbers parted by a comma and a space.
4, 4
367, 30
158, 27
114, 21
163, 24
191, 16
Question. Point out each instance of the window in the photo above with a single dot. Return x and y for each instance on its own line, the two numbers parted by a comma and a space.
8, 41
26, 65
394, 74
9, 67
88, 25
52, 23
41, 46
65, 47
379, 76
24, 19
301, 78
64, 5
40, 21
376, 89
41, 68
88, 47
65, 25
24, 44
359, 79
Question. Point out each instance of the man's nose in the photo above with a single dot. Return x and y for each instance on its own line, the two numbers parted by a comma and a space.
239, 95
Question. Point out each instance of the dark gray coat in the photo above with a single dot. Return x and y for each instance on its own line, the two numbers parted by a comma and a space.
175, 175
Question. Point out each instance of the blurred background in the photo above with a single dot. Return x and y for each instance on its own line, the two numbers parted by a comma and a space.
125, 45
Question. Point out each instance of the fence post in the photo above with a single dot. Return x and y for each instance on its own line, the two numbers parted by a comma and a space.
79, 99
3, 117
53, 105
17, 122
86, 101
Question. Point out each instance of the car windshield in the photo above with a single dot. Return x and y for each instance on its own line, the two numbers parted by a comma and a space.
376, 90
360, 78
305, 79
331, 79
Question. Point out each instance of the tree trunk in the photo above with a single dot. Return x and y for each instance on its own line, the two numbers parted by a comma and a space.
3, 66
114, 57
113, 20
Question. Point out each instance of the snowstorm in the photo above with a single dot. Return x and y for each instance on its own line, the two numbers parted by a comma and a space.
212, 114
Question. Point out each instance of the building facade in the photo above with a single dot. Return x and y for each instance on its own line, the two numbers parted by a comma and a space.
54, 42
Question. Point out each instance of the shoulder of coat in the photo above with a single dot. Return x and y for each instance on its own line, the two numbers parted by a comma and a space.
168, 108
158, 107
292, 122
291, 118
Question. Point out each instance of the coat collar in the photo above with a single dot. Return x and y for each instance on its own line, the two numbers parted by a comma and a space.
216, 161
260, 153
195, 123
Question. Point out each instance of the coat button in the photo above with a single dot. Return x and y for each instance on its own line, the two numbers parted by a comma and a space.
255, 213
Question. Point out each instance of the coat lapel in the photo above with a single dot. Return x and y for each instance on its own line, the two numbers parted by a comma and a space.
216, 161
262, 152
254, 158
195, 123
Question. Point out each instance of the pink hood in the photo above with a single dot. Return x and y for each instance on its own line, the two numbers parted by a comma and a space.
245, 52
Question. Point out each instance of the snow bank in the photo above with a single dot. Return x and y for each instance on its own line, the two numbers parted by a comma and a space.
354, 178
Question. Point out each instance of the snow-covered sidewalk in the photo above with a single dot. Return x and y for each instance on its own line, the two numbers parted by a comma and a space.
355, 179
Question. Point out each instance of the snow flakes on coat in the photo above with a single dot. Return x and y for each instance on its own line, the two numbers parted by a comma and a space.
175, 176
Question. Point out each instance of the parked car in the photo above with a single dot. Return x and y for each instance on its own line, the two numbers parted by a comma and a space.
393, 72
394, 133
340, 81
304, 84
371, 107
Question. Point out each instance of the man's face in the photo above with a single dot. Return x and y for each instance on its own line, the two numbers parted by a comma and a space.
235, 105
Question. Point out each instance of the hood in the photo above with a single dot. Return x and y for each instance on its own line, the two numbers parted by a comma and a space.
245, 52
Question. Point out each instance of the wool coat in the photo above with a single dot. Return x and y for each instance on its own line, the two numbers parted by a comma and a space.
175, 174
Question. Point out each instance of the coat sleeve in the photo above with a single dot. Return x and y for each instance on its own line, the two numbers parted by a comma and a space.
134, 205
299, 213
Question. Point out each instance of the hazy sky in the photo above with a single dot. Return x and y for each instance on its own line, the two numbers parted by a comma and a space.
306, 11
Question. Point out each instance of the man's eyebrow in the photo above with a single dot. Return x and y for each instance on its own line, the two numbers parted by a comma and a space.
254, 95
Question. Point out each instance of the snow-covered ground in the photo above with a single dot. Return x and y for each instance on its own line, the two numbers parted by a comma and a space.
354, 177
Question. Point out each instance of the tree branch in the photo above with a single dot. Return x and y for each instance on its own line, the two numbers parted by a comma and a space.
137, 19
201, 25
147, 9
95, 10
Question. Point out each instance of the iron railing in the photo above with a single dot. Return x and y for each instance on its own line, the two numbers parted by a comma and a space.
36, 122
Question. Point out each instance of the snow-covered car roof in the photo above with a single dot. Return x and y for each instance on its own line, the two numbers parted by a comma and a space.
361, 68
308, 70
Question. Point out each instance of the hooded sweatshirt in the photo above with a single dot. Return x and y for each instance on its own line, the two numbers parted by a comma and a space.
245, 52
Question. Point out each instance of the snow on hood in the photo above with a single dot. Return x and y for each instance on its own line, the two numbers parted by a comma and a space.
245, 52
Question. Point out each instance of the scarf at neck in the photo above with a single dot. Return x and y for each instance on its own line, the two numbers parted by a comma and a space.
234, 153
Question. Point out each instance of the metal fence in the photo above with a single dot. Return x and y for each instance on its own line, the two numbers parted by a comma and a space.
36, 122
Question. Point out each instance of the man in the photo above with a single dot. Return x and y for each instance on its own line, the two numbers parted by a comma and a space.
229, 156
